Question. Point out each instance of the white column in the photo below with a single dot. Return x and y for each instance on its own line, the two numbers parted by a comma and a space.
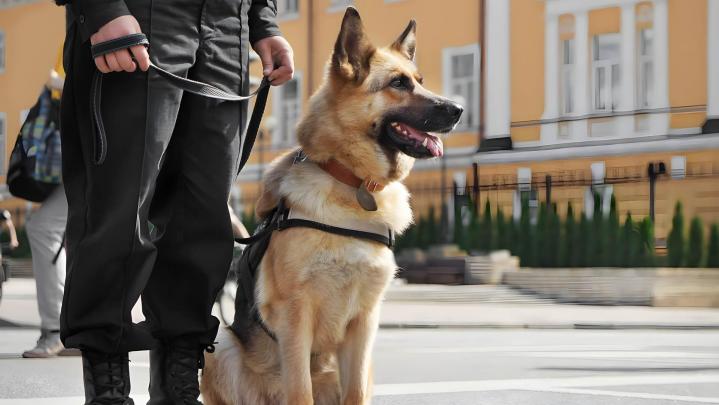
660, 122
551, 77
497, 88
627, 71
713, 60
578, 129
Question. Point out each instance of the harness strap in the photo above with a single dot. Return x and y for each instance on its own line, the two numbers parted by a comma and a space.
284, 221
192, 86
387, 240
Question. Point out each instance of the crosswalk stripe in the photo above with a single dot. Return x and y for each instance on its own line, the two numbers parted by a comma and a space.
575, 385
640, 395
444, 387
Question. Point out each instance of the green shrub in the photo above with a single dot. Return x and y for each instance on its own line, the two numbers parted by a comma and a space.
646, 237
713, 249
523, 236
458, 236
473, 231
695, 249
485, 230
612, 236
585, 242
675, 241
569, 254
501, 231
629, 243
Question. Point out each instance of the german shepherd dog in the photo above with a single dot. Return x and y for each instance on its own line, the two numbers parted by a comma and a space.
320, 293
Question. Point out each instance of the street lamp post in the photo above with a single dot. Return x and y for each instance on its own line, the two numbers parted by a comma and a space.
654, 170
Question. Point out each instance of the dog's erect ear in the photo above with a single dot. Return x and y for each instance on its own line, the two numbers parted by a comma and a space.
353, 49
406, 44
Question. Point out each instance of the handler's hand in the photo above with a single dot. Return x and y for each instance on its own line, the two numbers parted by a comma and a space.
275, 51
121, 60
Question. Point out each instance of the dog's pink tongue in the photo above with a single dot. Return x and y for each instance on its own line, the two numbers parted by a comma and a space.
434, 144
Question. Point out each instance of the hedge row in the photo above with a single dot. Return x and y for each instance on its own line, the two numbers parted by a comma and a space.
576, 241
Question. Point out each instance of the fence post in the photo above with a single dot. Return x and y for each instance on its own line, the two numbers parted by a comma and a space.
444, 215
548, 190
475, 188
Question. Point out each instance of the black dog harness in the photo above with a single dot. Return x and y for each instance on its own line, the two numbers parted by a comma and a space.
247, 315
192, 86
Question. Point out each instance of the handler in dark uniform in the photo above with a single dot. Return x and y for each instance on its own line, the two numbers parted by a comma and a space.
171, 159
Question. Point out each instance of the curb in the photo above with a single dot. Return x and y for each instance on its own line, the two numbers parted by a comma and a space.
575, 326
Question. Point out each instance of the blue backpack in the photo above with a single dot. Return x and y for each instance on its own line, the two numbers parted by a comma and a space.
35, 167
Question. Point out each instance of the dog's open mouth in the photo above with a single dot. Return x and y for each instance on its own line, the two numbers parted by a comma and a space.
414, 142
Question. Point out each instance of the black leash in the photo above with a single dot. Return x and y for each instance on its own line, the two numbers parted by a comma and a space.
192, 86
59, 250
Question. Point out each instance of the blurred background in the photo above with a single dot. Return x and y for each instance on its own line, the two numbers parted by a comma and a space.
580, 191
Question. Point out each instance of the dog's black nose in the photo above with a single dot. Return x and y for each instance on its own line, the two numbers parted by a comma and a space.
454, 110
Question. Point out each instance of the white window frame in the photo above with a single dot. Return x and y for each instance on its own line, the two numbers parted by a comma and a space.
448, 83
3, 140
285, 13
3, 52
605, 65
279, 138
679, 167
645, 90
567, 76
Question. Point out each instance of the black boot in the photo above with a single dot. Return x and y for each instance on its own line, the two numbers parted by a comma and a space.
106, 378
174, 370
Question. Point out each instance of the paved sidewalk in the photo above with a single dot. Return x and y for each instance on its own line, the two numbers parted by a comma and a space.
481, 306
437, 306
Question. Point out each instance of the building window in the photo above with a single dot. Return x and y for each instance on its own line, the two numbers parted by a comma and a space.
3, 136
288, 110
2, 51
336, 5
605, 72
525, 195
287, 8
461, 83
567, 80
679, 167
645, 68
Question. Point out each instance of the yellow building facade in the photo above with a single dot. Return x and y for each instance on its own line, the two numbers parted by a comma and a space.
585, 92
602, 89
448, 38
31, 36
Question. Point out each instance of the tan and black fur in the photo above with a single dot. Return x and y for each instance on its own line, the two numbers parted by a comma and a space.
320, 293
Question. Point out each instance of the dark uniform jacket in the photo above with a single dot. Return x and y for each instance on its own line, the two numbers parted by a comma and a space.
93, 14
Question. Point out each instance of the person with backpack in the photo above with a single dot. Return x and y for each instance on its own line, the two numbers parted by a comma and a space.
147, 170
34, 175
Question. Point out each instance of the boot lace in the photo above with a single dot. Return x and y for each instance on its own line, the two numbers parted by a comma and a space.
183, 365
107, 376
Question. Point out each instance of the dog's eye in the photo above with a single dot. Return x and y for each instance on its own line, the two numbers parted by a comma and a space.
399, 83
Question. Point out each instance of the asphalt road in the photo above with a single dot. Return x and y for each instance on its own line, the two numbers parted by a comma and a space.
484, 366
460, 366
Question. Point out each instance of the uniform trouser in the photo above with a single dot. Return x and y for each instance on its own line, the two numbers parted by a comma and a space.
44, 231
152, 220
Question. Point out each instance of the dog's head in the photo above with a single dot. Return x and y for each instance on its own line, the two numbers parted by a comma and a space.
378, 108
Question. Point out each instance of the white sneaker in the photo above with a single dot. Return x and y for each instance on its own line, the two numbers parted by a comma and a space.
48, 345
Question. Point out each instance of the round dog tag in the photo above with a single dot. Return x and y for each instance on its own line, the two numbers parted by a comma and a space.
366, 199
